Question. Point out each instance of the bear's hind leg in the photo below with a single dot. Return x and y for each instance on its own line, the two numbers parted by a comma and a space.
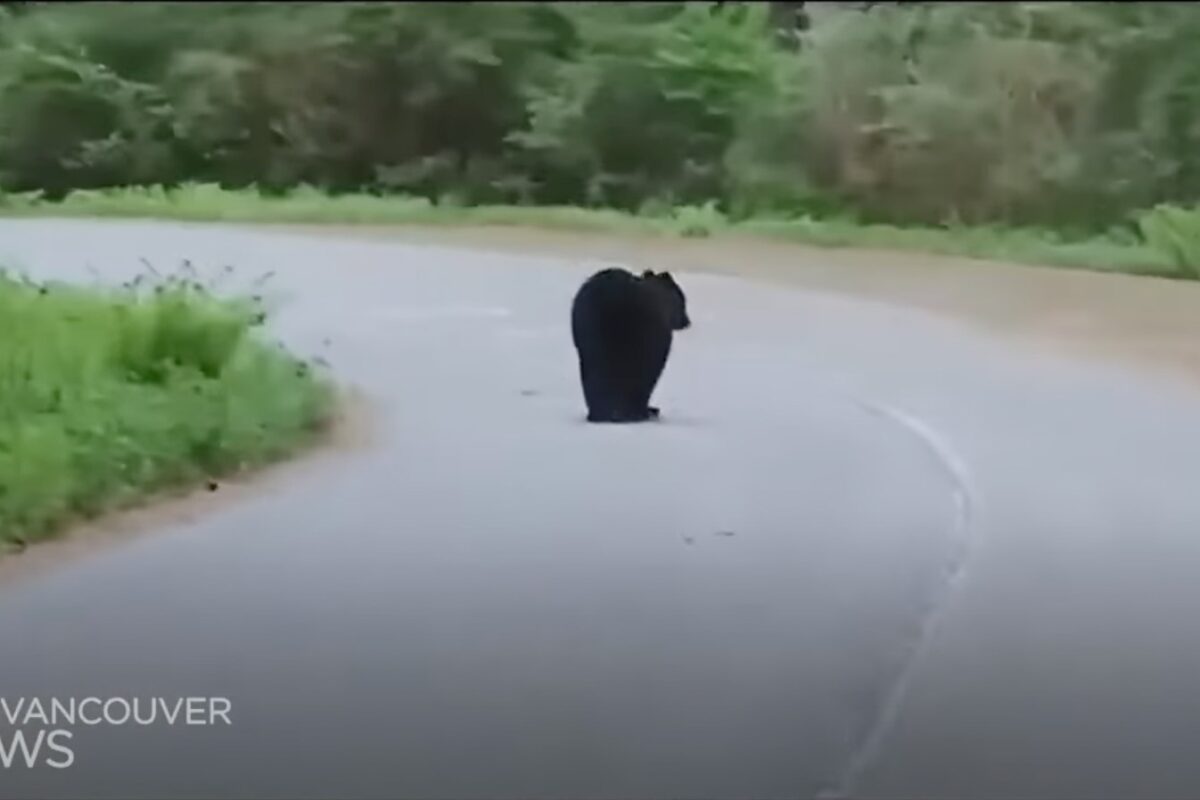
597, 393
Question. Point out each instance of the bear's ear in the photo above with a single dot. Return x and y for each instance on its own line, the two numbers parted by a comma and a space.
648, 273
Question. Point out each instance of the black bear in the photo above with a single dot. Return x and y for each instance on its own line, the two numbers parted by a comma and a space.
622, 326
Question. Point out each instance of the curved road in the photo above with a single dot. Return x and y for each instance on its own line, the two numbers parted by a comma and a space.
866, 553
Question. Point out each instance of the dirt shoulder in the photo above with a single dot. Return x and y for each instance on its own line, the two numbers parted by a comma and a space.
1149, 323
351, 430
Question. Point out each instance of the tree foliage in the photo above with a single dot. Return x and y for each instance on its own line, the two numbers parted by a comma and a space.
1060, 114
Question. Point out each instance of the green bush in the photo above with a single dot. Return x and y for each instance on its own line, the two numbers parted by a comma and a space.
1175, 233
107, 395
698, 221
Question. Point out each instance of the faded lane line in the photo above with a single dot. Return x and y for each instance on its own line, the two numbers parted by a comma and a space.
965, 501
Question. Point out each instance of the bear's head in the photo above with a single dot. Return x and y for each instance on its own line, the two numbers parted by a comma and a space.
674, 300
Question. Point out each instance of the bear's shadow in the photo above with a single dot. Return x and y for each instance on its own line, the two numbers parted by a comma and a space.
665, 420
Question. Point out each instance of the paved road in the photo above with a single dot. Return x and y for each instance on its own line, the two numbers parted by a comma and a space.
865, 551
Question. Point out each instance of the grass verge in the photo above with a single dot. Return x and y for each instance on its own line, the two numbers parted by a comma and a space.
109, 395
1141, 248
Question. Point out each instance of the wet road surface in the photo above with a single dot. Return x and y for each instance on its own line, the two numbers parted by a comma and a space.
865, 552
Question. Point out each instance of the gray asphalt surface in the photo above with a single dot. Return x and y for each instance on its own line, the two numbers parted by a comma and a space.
865, 551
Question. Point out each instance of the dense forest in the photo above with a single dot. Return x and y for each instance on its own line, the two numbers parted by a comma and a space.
1066, 115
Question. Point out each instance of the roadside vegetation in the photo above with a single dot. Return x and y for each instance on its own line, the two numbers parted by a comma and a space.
107, 396
1058, 133
1116, 250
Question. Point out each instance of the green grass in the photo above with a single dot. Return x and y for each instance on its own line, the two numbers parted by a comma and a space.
109, 395
210, 203
1152, 247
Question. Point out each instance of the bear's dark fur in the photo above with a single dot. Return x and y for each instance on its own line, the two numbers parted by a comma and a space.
622, 326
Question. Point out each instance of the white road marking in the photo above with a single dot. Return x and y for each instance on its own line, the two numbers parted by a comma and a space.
965, 500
